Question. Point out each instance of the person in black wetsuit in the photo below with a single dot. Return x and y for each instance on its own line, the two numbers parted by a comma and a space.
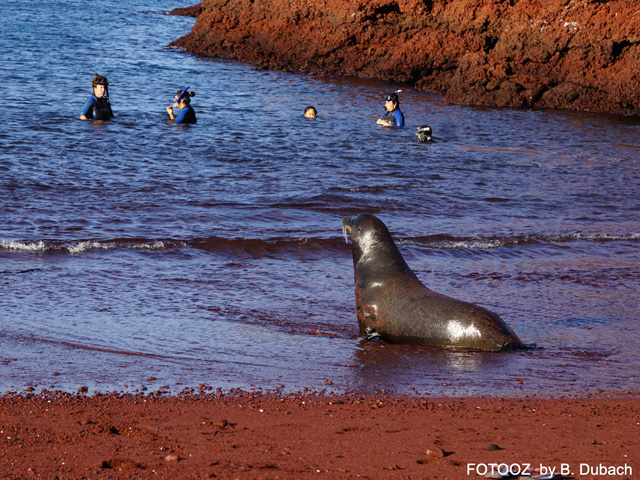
182, 100
97, 106
393, 117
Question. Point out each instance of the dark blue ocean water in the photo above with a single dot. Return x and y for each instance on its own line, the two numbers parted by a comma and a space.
214, 253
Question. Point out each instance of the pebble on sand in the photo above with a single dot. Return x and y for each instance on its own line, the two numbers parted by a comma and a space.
435, 452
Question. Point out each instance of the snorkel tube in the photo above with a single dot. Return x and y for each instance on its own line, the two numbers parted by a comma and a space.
180, 96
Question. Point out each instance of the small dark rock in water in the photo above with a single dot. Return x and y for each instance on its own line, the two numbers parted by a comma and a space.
29, 389
492, 447
83, 389
55, 374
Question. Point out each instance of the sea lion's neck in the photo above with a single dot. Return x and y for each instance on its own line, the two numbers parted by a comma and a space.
383, 262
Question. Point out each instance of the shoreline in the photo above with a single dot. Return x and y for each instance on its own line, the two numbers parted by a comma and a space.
526, 54
270, 435
155, 390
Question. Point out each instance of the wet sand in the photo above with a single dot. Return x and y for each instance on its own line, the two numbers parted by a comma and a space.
263, 435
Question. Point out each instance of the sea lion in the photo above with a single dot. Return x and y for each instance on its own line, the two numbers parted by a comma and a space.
394, 306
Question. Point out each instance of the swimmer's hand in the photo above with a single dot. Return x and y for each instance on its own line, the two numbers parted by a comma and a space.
383, 123
170, 112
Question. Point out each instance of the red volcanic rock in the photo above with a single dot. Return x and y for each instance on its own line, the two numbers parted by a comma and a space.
575, 54
193, 11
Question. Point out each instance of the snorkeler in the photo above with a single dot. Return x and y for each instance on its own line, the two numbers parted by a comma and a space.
393, 117
310, 112
98, 106
182, 100
424, 133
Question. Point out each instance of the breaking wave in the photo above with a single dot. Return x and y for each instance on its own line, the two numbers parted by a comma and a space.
489, 243
274, 245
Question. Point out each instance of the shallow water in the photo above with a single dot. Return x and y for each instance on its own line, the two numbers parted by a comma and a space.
214, 253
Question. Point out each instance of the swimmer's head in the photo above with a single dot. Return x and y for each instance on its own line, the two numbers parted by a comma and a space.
392, 97
100, 85
183, 96
99, 80
310, 112
424, 133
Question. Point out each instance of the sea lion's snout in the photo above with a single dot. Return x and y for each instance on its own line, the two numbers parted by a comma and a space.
347, 226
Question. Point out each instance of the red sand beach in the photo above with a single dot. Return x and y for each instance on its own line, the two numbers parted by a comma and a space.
264, 435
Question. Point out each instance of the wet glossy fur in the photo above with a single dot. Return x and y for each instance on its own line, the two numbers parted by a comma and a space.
392, 304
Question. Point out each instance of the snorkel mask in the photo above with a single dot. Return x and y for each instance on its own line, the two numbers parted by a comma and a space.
100, 80
393, 97
424, 133
179, 96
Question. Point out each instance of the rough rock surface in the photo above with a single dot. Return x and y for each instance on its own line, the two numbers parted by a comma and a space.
192, 11
574, 54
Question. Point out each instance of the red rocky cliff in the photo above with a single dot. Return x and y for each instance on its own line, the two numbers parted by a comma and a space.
576, 54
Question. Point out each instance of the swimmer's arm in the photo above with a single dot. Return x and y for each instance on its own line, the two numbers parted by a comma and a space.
384, 123
170, 112
399, 119
87, 106
182, 116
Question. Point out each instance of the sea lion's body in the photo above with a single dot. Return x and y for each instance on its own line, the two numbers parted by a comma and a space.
393, 305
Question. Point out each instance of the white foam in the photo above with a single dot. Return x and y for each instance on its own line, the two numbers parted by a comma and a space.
146, 246
38, 246
85, 246
93, 245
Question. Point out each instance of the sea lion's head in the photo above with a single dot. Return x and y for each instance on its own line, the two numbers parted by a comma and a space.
379, 270
371, 239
